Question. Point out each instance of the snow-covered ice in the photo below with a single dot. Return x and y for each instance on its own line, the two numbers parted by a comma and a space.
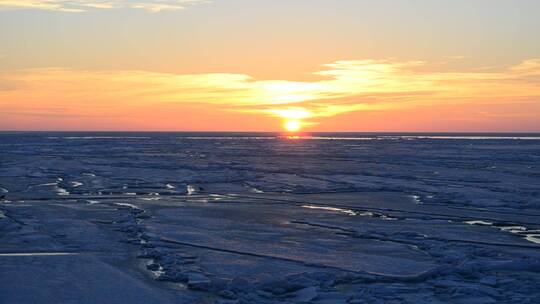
261, 218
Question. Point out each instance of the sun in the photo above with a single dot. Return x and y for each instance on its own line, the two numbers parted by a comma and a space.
292, 125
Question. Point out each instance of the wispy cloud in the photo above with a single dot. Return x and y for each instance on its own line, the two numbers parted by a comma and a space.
85, 5
363, 85
343, 87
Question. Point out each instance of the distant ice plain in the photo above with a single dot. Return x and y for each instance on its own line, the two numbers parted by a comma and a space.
265, 218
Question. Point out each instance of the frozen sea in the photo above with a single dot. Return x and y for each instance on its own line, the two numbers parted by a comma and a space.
267, 218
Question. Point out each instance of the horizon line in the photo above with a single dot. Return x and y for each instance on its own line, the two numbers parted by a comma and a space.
273, 132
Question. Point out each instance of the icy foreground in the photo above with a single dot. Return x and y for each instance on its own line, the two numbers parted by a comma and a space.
229, 218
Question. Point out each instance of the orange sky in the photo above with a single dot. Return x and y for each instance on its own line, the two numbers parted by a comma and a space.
205, 66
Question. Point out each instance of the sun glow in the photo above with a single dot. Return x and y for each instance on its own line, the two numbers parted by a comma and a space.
292, 125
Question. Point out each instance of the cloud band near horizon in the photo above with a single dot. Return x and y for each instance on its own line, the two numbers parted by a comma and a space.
342, 87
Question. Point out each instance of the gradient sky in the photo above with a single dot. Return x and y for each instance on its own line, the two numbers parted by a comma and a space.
252, 65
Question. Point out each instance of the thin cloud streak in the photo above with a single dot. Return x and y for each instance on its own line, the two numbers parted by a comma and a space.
76, 6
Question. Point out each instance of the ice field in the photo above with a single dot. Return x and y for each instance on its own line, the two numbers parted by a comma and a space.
265, 218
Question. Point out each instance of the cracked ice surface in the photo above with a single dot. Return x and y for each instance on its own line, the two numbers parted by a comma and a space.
258, 218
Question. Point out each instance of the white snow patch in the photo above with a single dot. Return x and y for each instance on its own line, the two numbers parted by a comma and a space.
156, 273
150, 198
199, 200
62, 191
535, 238
388, 218
529, 235
191, 190
416, 199
45, 185
4, 190
481, 223
127, 205
367, 213
76, 184
169, 186
513, 229
346, 211
255, 190
216, 197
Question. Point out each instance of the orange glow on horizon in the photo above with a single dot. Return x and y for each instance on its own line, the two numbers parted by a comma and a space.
405, 96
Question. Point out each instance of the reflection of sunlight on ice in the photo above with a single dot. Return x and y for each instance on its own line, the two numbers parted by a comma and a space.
96, 137
359, 137
23, 254
309, 137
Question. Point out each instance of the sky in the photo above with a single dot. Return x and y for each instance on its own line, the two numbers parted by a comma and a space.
266, 65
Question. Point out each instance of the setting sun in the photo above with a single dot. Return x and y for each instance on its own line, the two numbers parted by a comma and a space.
292, 125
